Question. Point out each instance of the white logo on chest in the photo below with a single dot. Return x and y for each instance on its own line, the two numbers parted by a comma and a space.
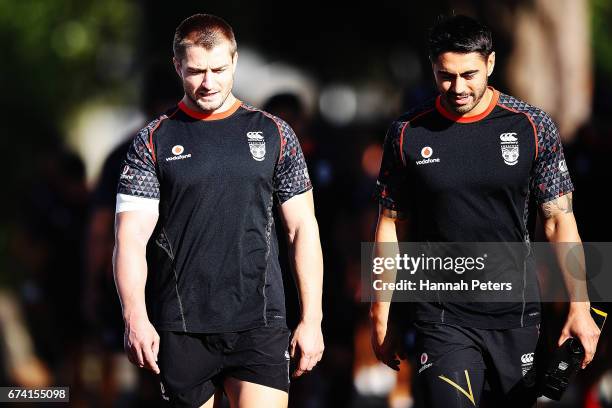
257, 145
509, 148
177, 152
426, 153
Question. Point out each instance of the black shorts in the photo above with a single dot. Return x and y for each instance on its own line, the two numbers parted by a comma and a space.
192, 366
458, 363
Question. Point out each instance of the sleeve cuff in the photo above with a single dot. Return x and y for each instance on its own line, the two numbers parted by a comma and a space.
127, 202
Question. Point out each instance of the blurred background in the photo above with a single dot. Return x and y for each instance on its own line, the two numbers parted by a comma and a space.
80, 77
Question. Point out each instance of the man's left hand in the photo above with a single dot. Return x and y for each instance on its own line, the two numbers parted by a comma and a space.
580, 324
307, 345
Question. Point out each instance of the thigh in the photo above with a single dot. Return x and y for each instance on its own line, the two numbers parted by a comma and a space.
260, 356
187, 367
511, 365
216, 401
451, 367
245, 394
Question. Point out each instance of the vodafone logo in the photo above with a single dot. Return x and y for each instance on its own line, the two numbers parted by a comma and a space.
163, 391
178, 149
424, 363
177, 152
125, 173
426, 153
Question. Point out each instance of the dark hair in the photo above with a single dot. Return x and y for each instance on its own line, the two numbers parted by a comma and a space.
284, 102
459, 34
204, 30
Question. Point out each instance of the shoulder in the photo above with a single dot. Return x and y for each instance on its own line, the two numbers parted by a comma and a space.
414, 114
419, 111
540, 119
154, 124
283, 127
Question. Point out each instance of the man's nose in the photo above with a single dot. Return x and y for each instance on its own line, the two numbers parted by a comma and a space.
458, 85
207, 80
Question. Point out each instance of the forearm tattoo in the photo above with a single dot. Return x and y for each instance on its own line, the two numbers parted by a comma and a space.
561, 205
393, 214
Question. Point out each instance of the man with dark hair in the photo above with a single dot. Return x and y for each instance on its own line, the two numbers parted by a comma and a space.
194, 223
475, 165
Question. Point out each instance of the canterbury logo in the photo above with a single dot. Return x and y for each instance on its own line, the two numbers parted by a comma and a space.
469, 393
509, 137
257, 145
509, 148
527, 358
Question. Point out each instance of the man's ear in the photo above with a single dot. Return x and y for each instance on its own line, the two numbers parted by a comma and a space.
177, 67
490, 63
234, 62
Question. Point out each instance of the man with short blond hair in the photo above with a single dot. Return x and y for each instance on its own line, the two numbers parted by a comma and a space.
194, 223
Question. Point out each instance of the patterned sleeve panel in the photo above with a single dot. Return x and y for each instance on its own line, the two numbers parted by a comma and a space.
390, 186
138, 174
291, 174
551, 179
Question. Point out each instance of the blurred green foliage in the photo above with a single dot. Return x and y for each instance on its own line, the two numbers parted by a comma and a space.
601, 19
57, 53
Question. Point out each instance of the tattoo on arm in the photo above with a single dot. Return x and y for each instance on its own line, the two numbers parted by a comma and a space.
561, 205
393, 214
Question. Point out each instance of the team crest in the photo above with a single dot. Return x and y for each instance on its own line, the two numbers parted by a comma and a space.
257, 145
509, 148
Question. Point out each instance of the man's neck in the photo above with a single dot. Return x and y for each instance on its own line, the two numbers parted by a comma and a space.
227, 104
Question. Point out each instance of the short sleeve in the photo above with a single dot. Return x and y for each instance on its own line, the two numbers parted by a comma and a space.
391, 183
291, 174
106, 188
138, 182
551, 178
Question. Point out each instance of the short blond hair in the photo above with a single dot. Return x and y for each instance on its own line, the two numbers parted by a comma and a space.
203, 30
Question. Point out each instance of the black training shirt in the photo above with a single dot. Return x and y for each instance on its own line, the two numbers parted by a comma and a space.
477, 179
213, 257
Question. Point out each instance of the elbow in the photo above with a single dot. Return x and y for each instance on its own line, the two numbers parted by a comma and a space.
130, 237
291, 234
550, 230
561, 230
304, 226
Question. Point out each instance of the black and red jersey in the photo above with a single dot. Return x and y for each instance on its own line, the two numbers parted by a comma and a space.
476, 179
213, 257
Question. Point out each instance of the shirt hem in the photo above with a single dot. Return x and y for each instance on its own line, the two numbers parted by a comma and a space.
499, 324
205, 329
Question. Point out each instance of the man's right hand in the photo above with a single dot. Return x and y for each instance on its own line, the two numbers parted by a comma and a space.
141, 343
384, 343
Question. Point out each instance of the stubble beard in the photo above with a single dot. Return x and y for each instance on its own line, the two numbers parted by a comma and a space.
467, 108
206, 107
